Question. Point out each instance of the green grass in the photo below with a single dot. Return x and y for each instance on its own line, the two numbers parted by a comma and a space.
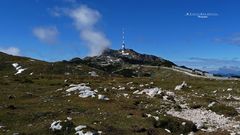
38, 103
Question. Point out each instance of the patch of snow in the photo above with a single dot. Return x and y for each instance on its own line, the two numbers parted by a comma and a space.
56, 125
181, 86
229, 89
18, 68
83, 90
15, 65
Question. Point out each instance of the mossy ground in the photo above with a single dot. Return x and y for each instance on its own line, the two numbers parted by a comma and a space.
29, 104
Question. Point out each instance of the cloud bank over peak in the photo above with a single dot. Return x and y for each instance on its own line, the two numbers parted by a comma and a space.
11, 50
85, 20
218, 66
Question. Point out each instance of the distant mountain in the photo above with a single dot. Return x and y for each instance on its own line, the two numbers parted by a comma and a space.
110, 62
227, 71
110, 56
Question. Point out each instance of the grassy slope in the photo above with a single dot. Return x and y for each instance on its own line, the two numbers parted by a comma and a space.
38, 103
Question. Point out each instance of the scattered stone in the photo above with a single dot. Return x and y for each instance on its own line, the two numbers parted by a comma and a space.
79, 130
69, 118
125, 94
181, 86
211, 104
168, 130
93, 73
66, 126
203, 118
80, 127
151, 92
102, 97
56, 125
129, 83
136, 92
132, 88
83, 90
215, 91
121, 88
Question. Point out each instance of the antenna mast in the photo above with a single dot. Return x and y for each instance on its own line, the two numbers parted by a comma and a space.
123, 41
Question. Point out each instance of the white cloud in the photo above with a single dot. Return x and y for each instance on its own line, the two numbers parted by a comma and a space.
97, 41
46, 34
208, 64
85, 20
84, 17
11, 50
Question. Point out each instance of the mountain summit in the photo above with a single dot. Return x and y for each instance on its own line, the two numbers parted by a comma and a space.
110, 56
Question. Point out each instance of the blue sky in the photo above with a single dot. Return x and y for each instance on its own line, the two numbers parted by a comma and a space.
54, 30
